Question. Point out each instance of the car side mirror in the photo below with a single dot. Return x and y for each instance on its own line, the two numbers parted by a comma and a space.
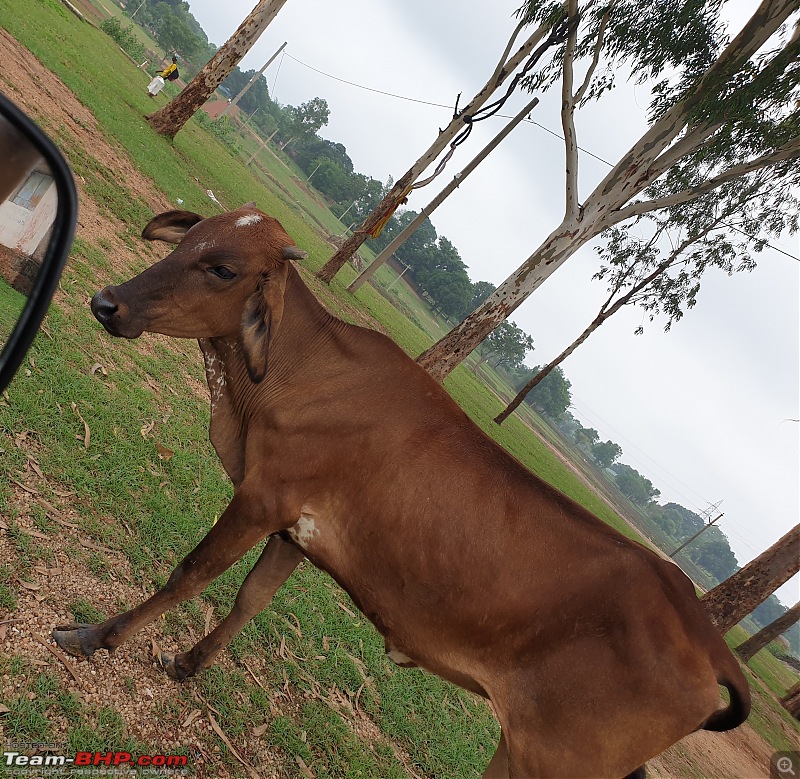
38, 213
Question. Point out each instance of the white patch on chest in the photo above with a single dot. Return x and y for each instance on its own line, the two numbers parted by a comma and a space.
249, 219
398, 658
304, 530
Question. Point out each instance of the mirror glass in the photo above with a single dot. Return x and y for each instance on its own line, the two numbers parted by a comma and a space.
28, 210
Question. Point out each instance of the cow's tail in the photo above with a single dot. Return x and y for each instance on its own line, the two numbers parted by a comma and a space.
737, 711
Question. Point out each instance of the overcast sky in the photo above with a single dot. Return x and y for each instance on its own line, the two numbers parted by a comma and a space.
703, 411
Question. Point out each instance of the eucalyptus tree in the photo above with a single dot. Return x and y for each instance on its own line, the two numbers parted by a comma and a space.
657, 260
721, 110
732, 600
170, 119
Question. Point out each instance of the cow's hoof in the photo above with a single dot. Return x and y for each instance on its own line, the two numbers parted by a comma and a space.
172, 669
78, 640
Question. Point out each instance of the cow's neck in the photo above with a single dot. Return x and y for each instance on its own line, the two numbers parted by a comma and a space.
305, 344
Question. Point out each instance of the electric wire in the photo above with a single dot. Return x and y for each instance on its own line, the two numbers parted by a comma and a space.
495, 113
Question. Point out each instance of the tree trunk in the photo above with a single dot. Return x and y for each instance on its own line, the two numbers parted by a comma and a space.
549, 368
402, 186
171, 118
454, 347
732, 600
791, 701
771, 631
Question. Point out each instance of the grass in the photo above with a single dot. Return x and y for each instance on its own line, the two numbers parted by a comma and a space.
314, 638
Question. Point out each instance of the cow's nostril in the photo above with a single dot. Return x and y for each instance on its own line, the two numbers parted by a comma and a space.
102, 308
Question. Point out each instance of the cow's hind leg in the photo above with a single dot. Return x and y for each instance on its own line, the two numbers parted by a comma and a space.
498, 765
242, 525
273, 568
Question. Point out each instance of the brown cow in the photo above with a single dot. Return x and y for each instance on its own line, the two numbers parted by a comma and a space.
594, 651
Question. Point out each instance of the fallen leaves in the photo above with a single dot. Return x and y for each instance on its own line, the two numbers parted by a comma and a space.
86, 432
164, 453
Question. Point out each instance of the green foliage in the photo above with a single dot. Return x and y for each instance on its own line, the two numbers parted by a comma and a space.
173, 26
507, 345
634, 486
124, 36
222, 128
480, 291
605, 454
552, 395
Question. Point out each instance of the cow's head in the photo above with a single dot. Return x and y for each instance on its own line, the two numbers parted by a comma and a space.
226, 277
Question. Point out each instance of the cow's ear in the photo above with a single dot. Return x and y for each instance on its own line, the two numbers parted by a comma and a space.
170, 226
260, 321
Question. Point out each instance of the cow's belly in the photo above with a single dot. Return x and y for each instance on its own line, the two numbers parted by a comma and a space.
382, 587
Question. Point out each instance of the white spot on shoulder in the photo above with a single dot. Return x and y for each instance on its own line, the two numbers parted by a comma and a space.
248, 219
398, 658
303, 530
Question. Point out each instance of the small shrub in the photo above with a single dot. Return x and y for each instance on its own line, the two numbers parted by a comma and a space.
124, 37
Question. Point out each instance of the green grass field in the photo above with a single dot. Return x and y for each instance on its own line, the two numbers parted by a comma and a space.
168, 504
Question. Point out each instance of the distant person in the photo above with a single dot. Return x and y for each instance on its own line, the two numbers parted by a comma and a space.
170, 73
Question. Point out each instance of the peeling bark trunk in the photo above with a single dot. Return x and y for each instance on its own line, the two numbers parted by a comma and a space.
758, 641
732, 600
454, 347
170, 119
791, 701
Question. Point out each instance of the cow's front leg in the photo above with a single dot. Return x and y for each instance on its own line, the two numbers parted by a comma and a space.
245, 521
272, 569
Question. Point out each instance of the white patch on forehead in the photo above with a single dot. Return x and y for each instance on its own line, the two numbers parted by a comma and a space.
249, 219
303, 530
204, 245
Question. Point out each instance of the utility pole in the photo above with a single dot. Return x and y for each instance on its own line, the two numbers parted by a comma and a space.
261, 147
407, 268
314, 171
543, 38
138, 9
341, 216
699, 532
252, 81
441, 197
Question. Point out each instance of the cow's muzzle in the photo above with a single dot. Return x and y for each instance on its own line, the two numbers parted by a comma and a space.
114, 316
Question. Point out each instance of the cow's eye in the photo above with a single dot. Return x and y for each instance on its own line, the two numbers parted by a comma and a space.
222, 272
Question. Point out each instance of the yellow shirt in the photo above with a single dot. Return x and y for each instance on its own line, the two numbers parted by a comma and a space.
168, 70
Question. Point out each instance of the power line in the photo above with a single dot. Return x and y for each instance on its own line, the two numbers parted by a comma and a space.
528, 121
642, 453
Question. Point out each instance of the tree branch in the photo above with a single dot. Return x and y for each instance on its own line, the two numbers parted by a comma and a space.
788, 151
568, 115
596, 55
693, 141
504, 56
